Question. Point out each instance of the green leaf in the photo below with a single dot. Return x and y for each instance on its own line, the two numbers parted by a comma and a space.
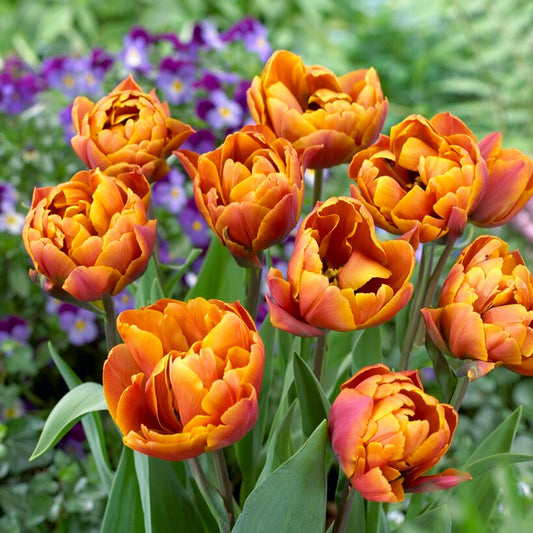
124, 510
92, 425
499, 440
293, 497
368, 349
444, 374
314, 405
500, 459
437, 520
85, 398
220, 277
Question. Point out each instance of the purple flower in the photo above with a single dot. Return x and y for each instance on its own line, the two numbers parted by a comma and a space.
65, 119
253, 35
175, 80
19, 86
14, 327
201, 141
135, 53
123, 301
194, 225
8, 197
12, 222
219, 111
169, 192
79, 324
205, 35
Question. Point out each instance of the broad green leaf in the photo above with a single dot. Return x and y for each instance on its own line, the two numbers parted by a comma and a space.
124, 509
314, 405
436, 520
148, 288
83, 399
180, 271
368, 350
142, 473
92, 425
293, 497
486, 464
220, 277
499, 440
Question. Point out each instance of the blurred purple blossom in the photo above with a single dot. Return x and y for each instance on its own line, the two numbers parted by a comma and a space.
219, 111
19, 86
65, 120
169, 192
205, 35
79, 324
135, 53
14, 327
175, 80
123, 301
253, 35
201, 141
194, 225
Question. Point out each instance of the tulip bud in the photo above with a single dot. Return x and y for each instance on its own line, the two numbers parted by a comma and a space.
311, 106
127, 126
386, 432
341, 276
90, 236
187, 378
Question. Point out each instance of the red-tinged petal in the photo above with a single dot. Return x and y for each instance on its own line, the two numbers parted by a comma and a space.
445, 480
91, 283
374, 486
286, 321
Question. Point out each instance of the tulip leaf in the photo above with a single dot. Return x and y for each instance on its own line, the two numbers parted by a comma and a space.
499, 440
444, 374
220, 276
368, 349
314, 405
148, 287
499, 459
293, 497
92, 425
83, 399
180, 271
124, 511
438, 519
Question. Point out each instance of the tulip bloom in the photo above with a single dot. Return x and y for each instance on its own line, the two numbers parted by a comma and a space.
340, 276
127, 126
89, 236
186, 379
249, 190
311, 106
386, 432
485, 308
424, 180
509, 186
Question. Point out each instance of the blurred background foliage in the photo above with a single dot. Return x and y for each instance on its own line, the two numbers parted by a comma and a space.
471, 58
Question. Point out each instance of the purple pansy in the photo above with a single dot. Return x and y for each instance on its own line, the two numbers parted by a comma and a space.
135, 53
219, 111
194, 225
175, 80
201, 141
19, 86
253, 35
79, 324
169, 192
205, 35
123, 301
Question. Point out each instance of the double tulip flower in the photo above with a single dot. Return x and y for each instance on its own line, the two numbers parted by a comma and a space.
387, 432
311, 106
485, 308
341, 276
90, 236
187, 377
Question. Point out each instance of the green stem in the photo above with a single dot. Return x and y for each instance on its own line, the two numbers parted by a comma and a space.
224, 484
317, 185
111, 333
373, 516
318, 362
414, 311
254, 288
435, 276
343, 511
459, 392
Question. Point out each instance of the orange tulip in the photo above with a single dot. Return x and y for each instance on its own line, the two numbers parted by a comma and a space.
186, 379
249, 190
485, 308
386, 432
127, 126
311, 106
340, 276
509, 186
89, 236
423, 180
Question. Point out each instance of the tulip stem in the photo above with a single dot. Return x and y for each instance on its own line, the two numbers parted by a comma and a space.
318, 362
224, 484
435, 276
254, 288
459, 392
317, 185
111, 333
414, 312
343, 511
